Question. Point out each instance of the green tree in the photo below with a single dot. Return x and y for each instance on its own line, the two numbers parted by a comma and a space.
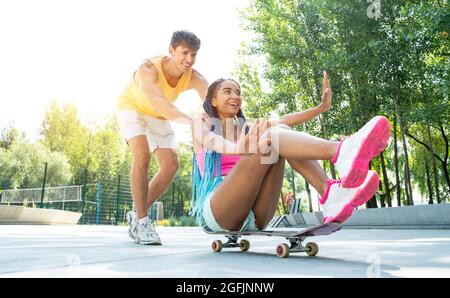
62, 131
23, 166
396, 65
9, 136
105, 151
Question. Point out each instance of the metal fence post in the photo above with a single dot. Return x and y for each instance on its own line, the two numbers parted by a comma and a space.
97, 209
43, 186
180, 203
173, 196
173, 199
117, 200
83, 198
293, 182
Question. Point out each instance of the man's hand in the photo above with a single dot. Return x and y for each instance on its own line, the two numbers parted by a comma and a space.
326, 93
206, 119
197, 126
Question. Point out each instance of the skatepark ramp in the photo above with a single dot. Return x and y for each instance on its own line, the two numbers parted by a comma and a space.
417, 217
19, 215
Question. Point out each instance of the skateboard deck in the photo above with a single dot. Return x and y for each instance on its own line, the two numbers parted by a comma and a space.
295, 237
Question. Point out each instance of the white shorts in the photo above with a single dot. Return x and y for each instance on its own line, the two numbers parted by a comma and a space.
159, 132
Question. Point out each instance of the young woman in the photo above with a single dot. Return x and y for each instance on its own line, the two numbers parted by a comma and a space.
235, 189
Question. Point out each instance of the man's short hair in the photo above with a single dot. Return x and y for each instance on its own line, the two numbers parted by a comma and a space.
185, 38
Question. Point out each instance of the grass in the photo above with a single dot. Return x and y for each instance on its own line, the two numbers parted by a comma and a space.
183, 221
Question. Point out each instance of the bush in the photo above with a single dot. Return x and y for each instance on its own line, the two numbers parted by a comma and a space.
187, 221
173, 222
164, 222
183, 221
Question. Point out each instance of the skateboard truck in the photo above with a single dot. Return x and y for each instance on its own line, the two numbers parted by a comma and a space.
244, 244
295, 238
311, 248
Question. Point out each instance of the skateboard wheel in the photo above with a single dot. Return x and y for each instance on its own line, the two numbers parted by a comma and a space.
312, 249
283, 250
244, 245
217, 245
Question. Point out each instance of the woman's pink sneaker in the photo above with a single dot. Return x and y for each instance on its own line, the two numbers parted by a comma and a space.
355, 152
338, 202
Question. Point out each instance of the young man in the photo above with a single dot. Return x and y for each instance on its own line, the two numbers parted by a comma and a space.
145, 110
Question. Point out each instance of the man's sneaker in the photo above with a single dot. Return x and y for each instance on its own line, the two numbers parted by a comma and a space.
146, 234
133, 224
355, 152
338, 203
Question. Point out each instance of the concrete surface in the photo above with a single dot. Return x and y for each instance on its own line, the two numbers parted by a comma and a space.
106, 251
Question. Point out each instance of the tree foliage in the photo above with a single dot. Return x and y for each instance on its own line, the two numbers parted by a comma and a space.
396, 65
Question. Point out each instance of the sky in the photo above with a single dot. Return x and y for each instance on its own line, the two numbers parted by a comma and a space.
85, 51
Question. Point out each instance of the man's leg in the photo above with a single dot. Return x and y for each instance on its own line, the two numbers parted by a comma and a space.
139, 171
168, 167
142, 230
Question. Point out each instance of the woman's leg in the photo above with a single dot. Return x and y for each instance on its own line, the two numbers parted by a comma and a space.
269, 194
351, 156
267, 200
312, 172
238, 193
254, 185
233, 199
296, 145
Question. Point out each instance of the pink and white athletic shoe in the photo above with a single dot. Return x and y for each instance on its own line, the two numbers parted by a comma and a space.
356, 151
338, 203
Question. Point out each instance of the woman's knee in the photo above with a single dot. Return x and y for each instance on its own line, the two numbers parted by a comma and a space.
275, 130
273, 133
261, 223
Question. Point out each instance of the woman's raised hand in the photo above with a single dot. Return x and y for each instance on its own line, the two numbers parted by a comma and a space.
326, 93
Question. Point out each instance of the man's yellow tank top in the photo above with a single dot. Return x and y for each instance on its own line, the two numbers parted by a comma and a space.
133, 98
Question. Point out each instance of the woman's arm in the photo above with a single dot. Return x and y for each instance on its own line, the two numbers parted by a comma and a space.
203, 137
219, 144
298, 118
301, 117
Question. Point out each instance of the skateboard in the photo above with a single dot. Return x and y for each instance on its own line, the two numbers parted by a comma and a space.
295, 237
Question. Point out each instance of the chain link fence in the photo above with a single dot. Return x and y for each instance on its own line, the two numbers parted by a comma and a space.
105, 202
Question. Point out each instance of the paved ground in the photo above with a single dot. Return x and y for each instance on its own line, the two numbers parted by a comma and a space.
106, 251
